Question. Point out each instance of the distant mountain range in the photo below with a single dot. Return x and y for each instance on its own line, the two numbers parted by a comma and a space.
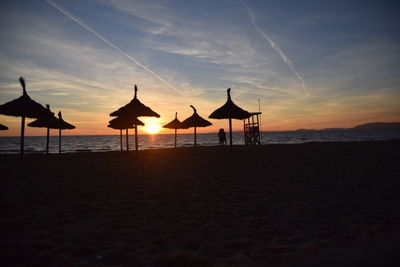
363, 127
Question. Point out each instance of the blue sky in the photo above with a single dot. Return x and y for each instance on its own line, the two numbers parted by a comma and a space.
346, 52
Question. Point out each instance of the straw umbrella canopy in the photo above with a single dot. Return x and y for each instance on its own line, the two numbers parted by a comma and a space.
195, 121
49, 122
135, 108
230, 111
3, 127
23, 107
174, 124
62, 125
121, 123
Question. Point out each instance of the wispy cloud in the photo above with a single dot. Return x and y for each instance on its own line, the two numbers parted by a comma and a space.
199, 39
221, 51
274, 46
95, 33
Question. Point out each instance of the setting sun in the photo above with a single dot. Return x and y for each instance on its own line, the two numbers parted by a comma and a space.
152, 128
151, 125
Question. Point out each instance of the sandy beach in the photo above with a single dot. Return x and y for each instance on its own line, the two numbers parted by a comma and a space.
271, 205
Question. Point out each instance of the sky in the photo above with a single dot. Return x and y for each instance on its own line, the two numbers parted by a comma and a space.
310, 64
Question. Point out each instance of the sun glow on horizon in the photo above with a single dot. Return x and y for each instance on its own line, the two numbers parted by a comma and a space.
151, 125
152, 128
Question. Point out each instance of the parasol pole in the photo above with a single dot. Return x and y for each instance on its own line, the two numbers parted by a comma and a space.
136, 139
120, 138
127, 144
230, 132
259, 122
175, 138
176, 117
47, 140
230, 120
59, 141
22, 135
195, 144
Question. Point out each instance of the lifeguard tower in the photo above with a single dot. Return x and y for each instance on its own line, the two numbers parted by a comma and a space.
252, 127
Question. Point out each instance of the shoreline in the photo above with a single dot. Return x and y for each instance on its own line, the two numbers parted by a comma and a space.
226, 147
269, 205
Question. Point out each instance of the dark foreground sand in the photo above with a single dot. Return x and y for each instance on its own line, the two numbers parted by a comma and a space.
273, 205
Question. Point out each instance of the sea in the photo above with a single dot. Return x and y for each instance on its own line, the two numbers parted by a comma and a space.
101, 143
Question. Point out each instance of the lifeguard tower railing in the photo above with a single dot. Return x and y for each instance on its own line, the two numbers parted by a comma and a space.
252, 127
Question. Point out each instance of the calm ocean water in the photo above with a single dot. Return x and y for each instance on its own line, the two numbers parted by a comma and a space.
97, 143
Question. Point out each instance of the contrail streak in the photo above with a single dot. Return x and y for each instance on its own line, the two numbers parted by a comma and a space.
274, 46
86, 27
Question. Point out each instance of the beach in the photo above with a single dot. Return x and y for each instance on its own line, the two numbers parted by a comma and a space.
269, 205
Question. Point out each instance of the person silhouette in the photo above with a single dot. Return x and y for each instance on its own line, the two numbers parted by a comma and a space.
222, 137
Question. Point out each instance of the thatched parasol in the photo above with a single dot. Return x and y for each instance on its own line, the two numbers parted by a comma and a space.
62, 125
135, 108
121, 123
23, 107
174, 124
49, 122
3, 127
230, 111
195, 121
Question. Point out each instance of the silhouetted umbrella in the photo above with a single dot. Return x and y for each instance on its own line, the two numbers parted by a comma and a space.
135, 108
23, 107
62, 125
49, 122
230, 111
3, 127
195, 121
121, 123
174, 124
